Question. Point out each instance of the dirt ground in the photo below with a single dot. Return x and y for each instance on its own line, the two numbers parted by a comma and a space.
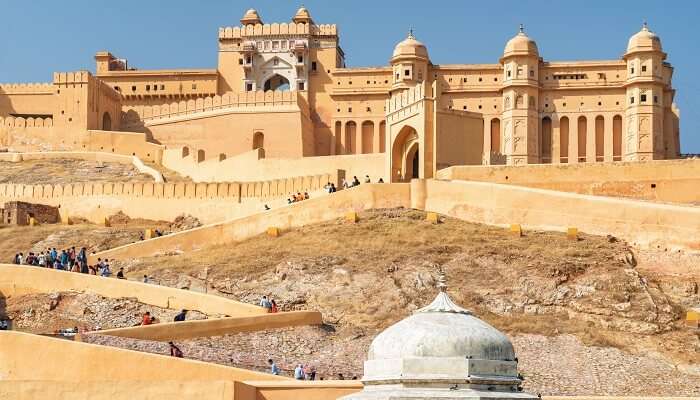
561, 301
63, 171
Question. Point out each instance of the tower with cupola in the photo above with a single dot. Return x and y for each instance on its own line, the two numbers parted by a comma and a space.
520, 63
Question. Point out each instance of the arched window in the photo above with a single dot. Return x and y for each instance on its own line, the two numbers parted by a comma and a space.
564, 140
258, 140
106, 122
617, 138
382, 137
546, 143
350, 138
495, 136
599, 138
277, 82
582, 128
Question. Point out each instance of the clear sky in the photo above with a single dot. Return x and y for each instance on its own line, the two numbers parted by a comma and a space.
39, 37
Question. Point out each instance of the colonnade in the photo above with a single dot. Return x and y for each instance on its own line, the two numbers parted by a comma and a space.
358, 136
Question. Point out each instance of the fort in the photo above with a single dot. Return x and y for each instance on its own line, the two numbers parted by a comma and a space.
570, 168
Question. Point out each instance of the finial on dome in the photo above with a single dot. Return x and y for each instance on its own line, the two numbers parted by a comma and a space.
522, 28
442, 302
410, 33
645, 26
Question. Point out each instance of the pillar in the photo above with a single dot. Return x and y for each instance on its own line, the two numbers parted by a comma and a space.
486, 151
556, 140
608, 133
573, 139
333, 138
590, 138
359, 138
376, 144
343, 144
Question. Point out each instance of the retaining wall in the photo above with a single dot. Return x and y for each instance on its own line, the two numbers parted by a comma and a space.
660, 180
20, 280
215, 327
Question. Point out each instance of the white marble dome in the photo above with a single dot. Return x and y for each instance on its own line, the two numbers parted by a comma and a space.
450, 332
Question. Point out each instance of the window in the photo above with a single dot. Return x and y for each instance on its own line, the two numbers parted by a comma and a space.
449, 80
300, 59
276, 61
162, 87
519, 72
508, 73
240, 61
349, 109
314, 66
248, 87
464, 108
479, 106
632, 70
284, 45
644, 68
249, 60
532, 73
117, 89
480, 79
155, 87
643, 98
656, 99
301, 85
194, 86
464, 80
495, 79
397, 76
275, 45
369, 109
600, 104
406, 72
632, 100
133, 88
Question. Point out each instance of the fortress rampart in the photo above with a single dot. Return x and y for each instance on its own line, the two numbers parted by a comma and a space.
237, 32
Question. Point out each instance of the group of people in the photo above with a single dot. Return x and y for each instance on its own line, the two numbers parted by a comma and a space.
66, 260
356, 182
295, 198
269, 304
301, 372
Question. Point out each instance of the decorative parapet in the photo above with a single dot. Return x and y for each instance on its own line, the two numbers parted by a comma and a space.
405, 98
26, 88
64, 78
238, 32
133, 115
20, 122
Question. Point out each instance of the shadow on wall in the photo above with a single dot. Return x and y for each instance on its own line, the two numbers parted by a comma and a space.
3, 311
6, 110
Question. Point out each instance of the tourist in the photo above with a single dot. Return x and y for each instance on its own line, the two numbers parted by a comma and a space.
299, 372
267, 208
64, 259
327, 187
274, 369
54, 255
57, 264
381, 180
42, 260
333, 188
93, 270
289, 200
355, 181
273, 306
175, 351
106, 272
4, 325
367, 180
341, 377
146, 320
120, 273
265, 303
145, 279
181, 316
345, 184
306, 195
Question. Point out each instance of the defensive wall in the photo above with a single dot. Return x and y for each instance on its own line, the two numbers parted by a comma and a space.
85, 156
209, 202
660, 180
640, 222
21, 280
253, 166
215, 327
295, 215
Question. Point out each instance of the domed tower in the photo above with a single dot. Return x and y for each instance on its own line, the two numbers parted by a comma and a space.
441, 351
646, 97
409, 62
520, 98
302, 16
251, 17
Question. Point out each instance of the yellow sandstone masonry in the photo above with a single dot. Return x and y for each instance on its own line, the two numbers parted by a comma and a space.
352, 217
572, 233
273, 231
516, 229
432, 217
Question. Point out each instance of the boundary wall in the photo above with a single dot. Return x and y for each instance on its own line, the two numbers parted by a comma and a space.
640, 222
164, 332
86, 156
93, 363
165, 201
659, 180
117, 390
253, 166
20, 280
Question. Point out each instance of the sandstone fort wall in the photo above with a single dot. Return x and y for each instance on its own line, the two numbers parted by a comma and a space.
661, 180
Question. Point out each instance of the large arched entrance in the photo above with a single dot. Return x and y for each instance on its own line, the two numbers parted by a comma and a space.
106, 122
277, 82
405, 161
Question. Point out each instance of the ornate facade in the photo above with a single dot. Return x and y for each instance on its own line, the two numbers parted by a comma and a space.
284, 87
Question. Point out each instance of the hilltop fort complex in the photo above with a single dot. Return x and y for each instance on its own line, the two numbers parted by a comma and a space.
580, 161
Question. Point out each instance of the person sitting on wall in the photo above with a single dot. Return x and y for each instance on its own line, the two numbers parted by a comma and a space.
355, 181
145, 279
273, 306
4, 325
175, 351
181, 316
333, 188
274, 369
381, 180
120, 273
265, 303
106, 272
345, 184
299, 372
306, 195
146, 319
93, 269
367, 180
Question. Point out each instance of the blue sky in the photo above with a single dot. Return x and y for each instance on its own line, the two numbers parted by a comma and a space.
41, 36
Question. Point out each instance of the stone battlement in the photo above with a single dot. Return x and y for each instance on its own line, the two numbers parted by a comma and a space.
26, 88
275, 29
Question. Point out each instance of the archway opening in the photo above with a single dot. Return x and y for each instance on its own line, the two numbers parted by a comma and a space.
617, 138
258, 140
405, 155
599, 138
582, 132
277, 82
350, 138
564, 140
546, 142
368, 137
106, 122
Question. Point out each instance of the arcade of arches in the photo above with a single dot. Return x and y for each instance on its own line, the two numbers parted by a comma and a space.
359, 137
587, 139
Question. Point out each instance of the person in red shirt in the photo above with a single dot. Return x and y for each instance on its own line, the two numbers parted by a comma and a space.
147, 319
273, 309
